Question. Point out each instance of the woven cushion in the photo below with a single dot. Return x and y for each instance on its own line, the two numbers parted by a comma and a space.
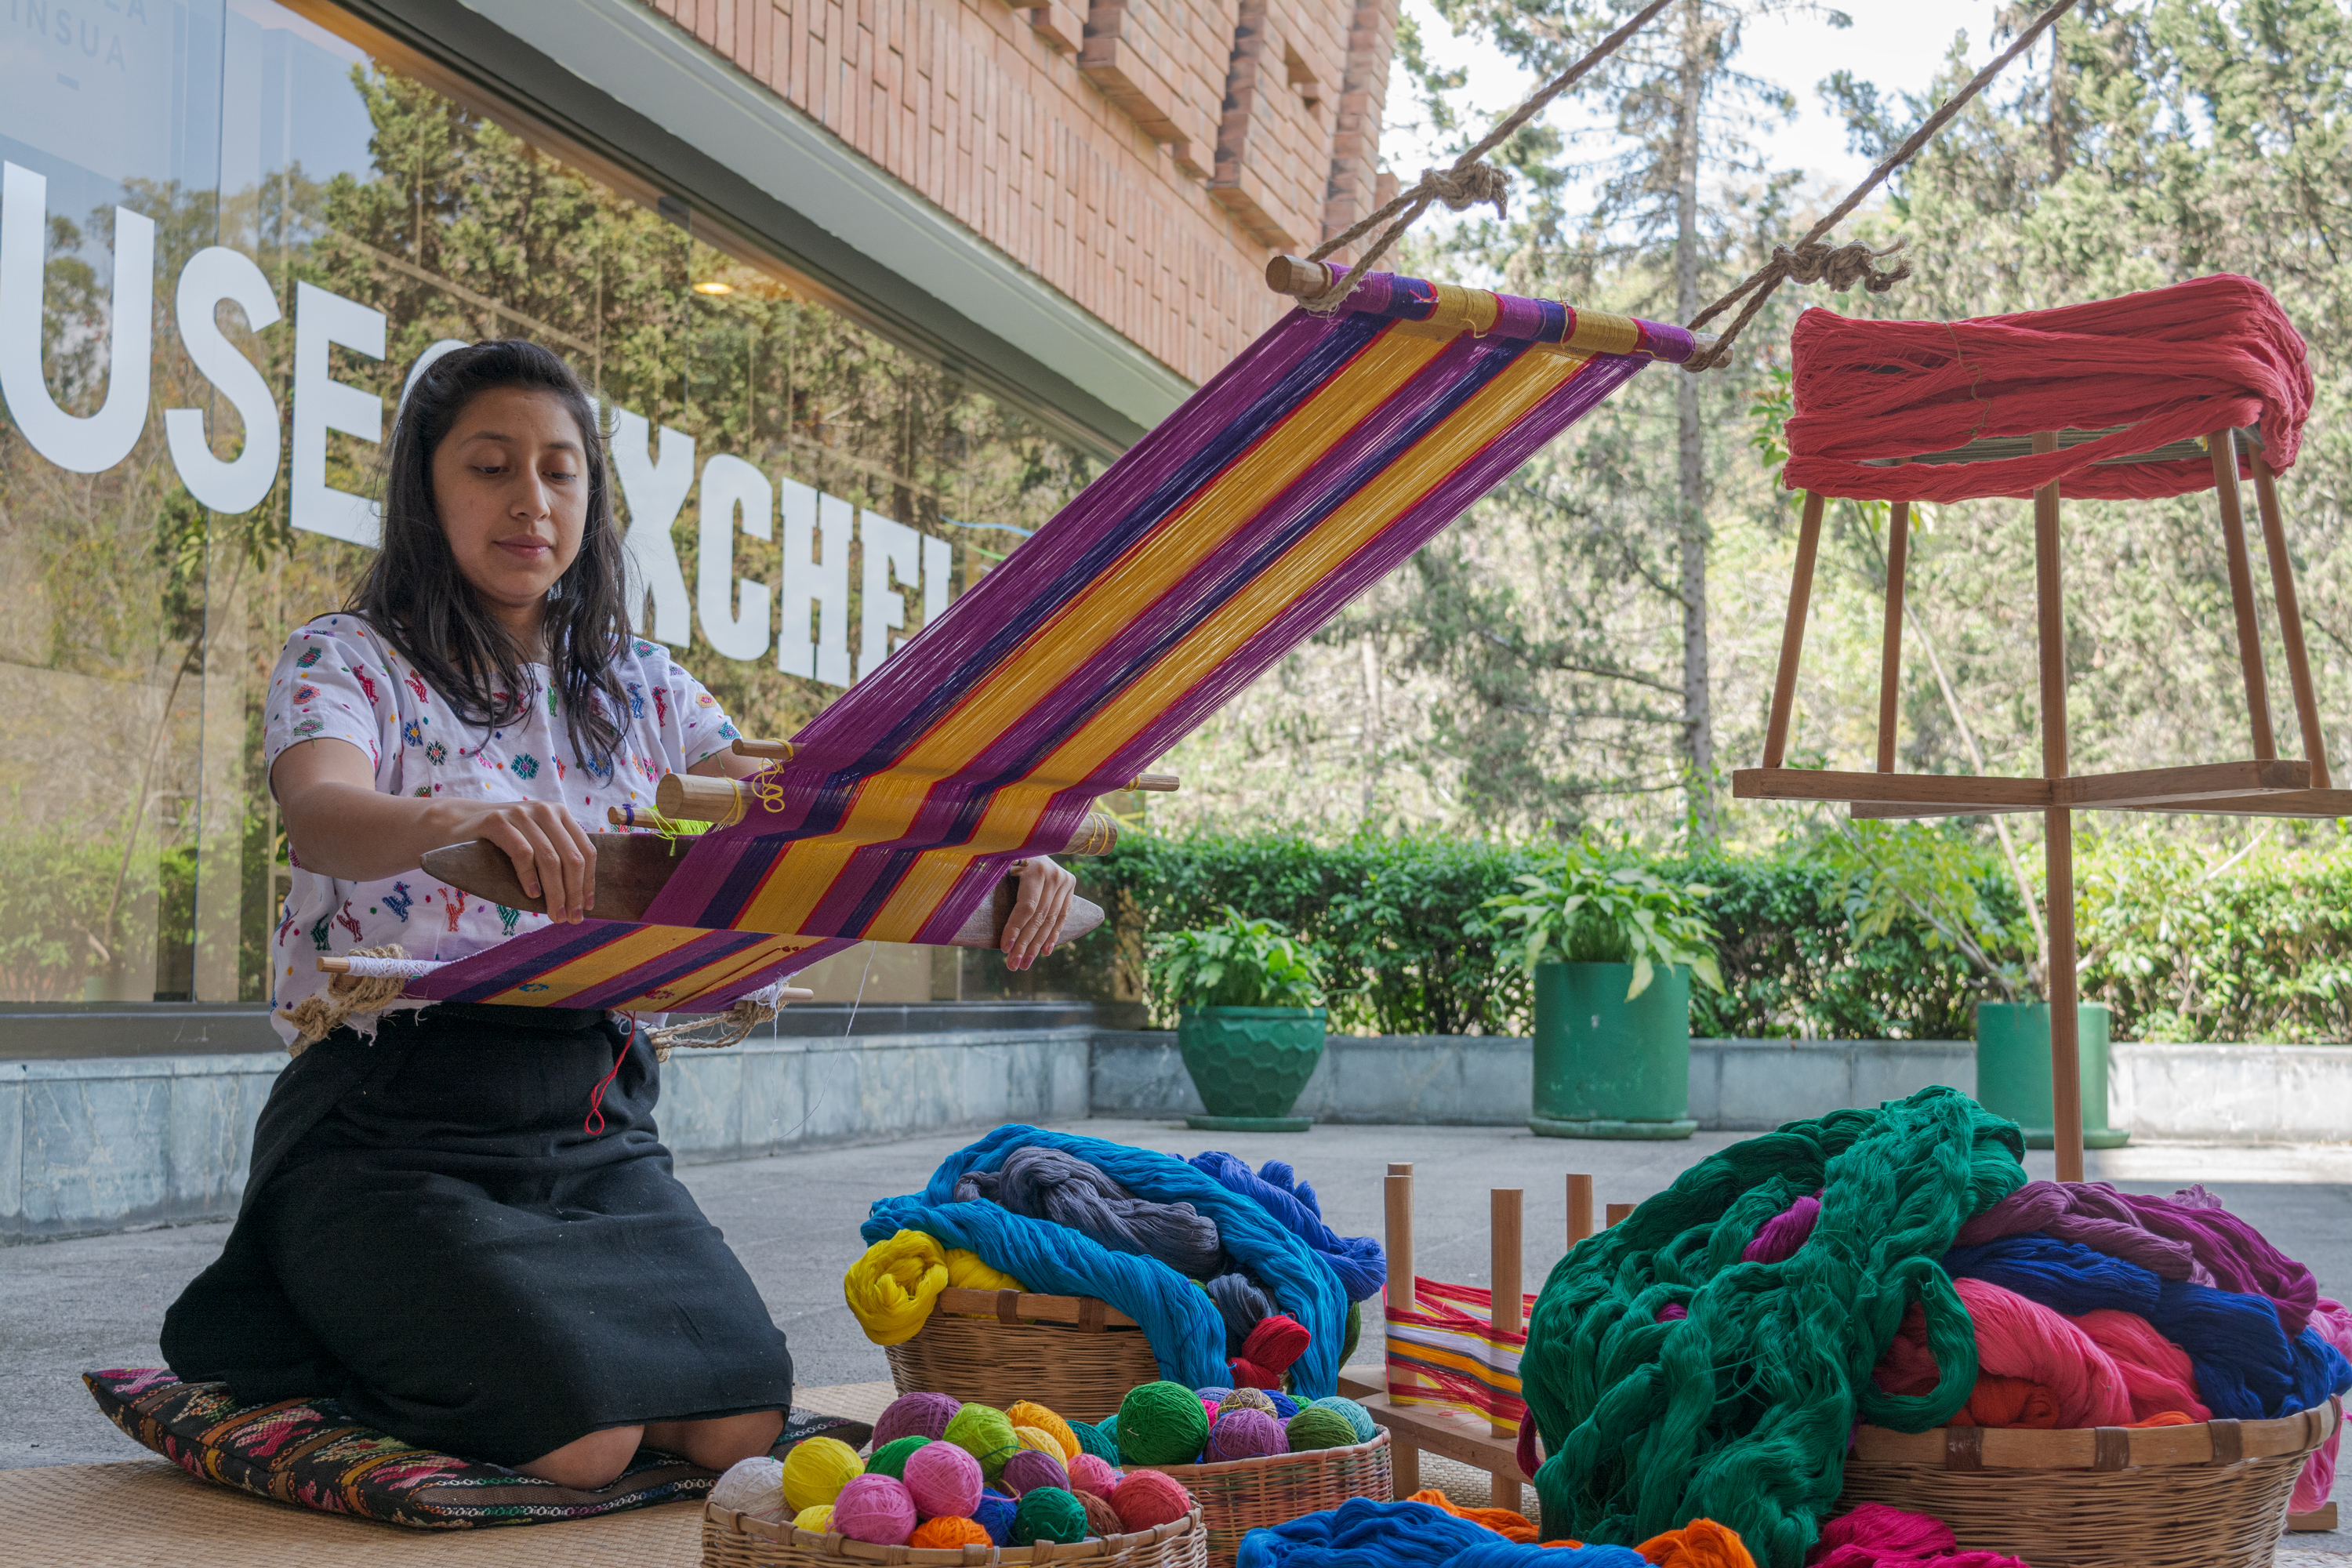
309, 1453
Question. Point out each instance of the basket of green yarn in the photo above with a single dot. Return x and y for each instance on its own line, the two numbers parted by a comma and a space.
1326, 1465
1071, 1354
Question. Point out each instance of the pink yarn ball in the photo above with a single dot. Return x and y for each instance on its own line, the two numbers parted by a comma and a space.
1029, 1469
1245, 1434
1093, 1473
874, 1509
917, 1415
944, 1481
1150, 1498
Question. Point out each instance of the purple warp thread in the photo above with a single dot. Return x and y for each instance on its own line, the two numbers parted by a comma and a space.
1784, 1232
2189, 1235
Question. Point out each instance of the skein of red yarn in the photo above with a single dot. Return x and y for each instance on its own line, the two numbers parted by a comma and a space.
2157, 1373
2022, 1338
1267, 1354
1876, 1536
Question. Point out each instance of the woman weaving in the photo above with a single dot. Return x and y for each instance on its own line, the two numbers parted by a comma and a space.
437, 1231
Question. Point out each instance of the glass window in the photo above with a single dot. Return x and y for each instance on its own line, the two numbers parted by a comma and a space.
232, 234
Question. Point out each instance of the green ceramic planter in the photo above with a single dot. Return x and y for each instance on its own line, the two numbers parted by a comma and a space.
1249, 1064
1607, 1067
2013, 1070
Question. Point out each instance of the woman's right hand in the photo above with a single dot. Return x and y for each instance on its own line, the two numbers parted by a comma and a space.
554, 857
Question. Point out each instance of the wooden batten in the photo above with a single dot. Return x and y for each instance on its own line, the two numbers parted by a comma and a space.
1156, 783
1963, 795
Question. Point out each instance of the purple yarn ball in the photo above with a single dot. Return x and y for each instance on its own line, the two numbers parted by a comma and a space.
917, 1415
1245, 1434
1029, 1469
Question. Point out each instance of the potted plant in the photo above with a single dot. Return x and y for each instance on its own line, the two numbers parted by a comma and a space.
1611, 950
1249, 1019
1937, 877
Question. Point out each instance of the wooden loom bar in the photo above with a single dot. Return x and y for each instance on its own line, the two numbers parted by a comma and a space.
2290, 614
2058, 837
1580, 1208
2224, 447
690, 797
1792, 635
1962, 794
1507, 1310
1890, 661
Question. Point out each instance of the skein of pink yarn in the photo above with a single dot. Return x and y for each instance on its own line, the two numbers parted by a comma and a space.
1876, 1536
2318, 1478
1784, 1233
2157, 1374
2017, 1338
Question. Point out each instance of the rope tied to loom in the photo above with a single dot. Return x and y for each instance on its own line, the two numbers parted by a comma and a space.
734, 1027
347, 997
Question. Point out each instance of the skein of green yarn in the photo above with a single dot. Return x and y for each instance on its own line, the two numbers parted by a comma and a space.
1317, 1428
891, 1458
1049, 1513
1353, 1331
983, 1432
1094, 1440
1161, 1423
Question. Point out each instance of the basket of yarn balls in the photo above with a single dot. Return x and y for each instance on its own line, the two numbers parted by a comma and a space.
1251, 1457
942, 1476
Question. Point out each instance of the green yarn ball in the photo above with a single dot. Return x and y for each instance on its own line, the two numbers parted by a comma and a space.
1048, 1513
1161, 1423
1352, 1332
1319, 1426
891, 1458
1358, 1417
1097, 1440
986, 1434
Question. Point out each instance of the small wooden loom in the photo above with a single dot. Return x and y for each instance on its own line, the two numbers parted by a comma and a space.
2159, 393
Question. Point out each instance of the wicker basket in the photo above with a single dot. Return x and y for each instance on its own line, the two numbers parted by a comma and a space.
2210, 1496
1074, 1355
1238, 1496
731, 1540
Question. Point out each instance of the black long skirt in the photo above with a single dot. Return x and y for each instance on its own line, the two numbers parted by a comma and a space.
432, 1234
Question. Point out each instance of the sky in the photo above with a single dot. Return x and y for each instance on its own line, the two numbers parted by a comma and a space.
1898, 44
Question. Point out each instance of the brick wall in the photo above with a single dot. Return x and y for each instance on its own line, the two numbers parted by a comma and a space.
1142, 156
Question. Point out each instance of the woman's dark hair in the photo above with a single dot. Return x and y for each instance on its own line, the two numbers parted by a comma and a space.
416, 596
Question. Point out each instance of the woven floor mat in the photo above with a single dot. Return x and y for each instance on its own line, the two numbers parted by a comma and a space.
148, 1513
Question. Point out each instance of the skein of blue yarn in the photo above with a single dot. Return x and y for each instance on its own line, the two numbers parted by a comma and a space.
1361, 1534
1357, 1260
2247, 1369
995, 1515
1186, 1332
1285, 1407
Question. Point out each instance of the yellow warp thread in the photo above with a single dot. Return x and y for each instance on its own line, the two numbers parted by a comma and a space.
893, 1288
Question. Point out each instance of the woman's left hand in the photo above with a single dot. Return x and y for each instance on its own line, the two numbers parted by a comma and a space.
1038, 914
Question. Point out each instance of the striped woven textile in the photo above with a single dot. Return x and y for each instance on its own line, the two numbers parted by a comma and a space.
1447, 1351
1315, 463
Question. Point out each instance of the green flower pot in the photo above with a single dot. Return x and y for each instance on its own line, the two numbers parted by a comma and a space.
1607, 1067
1249, 1064
2013, 1070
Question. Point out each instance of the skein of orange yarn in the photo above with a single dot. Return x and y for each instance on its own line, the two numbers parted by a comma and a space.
1701, 1543
2009, 1402
1501, 1520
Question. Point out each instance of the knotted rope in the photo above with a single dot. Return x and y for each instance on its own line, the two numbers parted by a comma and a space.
347, 997
1740, 1411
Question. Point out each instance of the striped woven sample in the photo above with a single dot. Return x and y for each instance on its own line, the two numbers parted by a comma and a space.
1447, 1351
1316, 462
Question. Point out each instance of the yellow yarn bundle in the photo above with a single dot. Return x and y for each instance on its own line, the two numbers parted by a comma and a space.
894, 1287
815, 1471
818, 1520
1029, 1413
966, 1272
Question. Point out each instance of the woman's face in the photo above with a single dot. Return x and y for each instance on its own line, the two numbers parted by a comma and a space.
511, 484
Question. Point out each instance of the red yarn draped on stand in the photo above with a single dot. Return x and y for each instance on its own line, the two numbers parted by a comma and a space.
2169, 363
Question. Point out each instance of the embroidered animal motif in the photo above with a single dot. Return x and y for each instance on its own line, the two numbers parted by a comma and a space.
507, 919
636, 700
347, 921
319, 935
661, 706
453, 904
284, 926
366, 685
417, 684
400, 901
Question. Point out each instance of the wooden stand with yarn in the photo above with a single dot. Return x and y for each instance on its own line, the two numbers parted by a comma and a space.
1071, 1354
732, 1540
2212, 1495
1237, 1496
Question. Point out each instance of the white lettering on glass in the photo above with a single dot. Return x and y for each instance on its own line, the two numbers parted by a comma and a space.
422, 363
730, 485
815, 585
322, 403
654, 490
238, 484
891, 550
93, 444
939, 565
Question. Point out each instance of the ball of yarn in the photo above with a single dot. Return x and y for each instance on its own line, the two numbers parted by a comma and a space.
1039, 1440
751, 1485
943, 1480
1318, 1428
1213, 1394
917, 1415
1029, 1413
994, 1512
1091, 1473
892, 1289
1095, 1440
1245, 1434
891, 1458
1030, 1468
816, 1469
1101, 1517
1161, 1423
1358, 1417
1109, 1427
817, 1521
1285, 1407
876, 1509
982, 1431
949, 1532
1246, 1399
1148, 1498
1049, 1513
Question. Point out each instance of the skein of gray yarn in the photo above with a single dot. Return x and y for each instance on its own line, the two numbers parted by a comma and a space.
1241, 1303
1049, 1185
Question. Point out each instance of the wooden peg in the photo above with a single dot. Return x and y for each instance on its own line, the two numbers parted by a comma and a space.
1618, 1212
1580, 1208
692, 798
1398, 1193
635, 816
774, 751
1297, 277
1156, 783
